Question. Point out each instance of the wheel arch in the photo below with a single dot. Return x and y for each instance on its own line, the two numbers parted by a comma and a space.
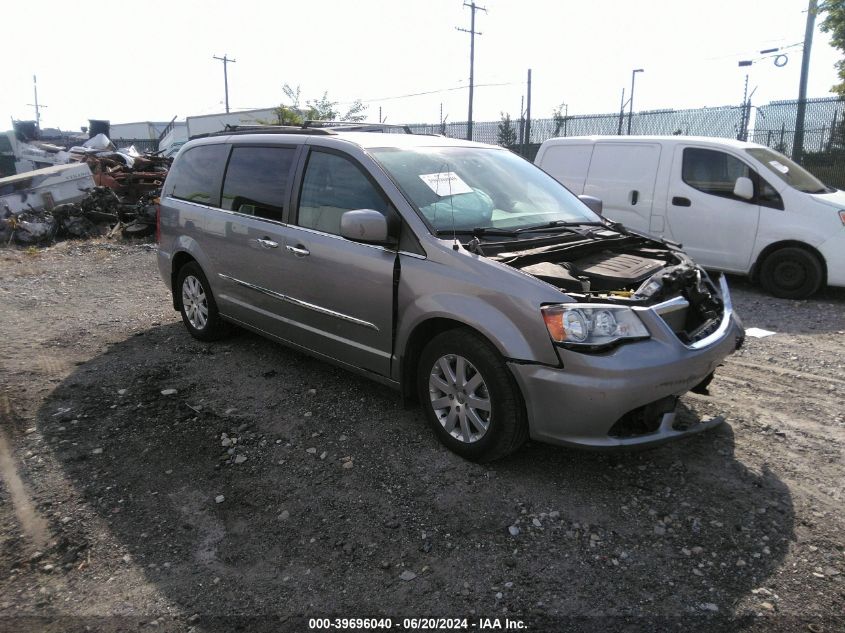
179, 260
422, 333
776, 246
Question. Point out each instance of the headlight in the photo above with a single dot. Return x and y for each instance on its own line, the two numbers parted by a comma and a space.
591, 324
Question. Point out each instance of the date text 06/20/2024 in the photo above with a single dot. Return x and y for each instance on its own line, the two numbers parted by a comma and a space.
417, 624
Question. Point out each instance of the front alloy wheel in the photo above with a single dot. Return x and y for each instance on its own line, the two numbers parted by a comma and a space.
459, 398
470, 397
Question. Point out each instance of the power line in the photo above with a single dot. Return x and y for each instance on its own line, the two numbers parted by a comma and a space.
434, 92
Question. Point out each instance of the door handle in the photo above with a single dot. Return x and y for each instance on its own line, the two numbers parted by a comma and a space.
680, 201
298, 250
635, 196
266, 242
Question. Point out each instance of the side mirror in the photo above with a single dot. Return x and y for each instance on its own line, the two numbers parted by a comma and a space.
744, 188
364, 225
594, 204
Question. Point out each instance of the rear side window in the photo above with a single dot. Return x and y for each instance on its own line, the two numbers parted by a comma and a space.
332, 186
196, 175
256, 181
713, 172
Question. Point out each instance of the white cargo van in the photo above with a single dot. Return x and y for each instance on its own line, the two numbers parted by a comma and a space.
735, 206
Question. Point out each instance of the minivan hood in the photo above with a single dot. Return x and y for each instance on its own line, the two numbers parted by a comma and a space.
835, 199
612, 264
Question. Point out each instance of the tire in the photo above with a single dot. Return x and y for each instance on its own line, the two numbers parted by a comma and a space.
197, 305
138, 229
791, 273
496, 426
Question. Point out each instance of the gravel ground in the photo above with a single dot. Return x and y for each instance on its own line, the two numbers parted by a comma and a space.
150, 481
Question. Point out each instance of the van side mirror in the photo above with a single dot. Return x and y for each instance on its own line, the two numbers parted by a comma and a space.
744, 188
593, 204
364, 225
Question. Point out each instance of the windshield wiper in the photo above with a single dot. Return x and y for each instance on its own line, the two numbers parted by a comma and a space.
534, 228
546, 227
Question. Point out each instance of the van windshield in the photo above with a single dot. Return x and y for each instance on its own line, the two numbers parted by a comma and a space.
468, 188
791, 173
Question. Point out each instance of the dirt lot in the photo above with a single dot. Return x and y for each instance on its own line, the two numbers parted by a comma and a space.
124, 508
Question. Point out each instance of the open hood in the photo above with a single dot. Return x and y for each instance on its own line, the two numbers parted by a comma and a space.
615, 265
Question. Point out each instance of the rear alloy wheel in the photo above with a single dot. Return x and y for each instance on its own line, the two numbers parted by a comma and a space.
197, 305
469, 396
791, 273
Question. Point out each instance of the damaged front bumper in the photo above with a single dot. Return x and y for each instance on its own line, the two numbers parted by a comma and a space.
595, 400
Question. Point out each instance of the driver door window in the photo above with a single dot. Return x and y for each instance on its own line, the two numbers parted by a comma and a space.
333, 185
713, 172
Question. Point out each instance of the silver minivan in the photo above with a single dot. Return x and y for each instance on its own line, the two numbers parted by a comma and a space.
455, 272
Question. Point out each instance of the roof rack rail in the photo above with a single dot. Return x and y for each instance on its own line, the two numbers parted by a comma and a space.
354, 126
308, 127
230, 130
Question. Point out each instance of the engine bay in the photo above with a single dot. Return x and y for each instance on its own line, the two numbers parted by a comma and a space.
619, 267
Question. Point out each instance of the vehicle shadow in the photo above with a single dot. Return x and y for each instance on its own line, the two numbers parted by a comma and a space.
271, 488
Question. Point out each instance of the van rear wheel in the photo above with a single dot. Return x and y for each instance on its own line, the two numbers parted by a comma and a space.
197, 305
469, 396
791, 273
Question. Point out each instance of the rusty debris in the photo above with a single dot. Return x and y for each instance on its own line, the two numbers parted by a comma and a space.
124, 198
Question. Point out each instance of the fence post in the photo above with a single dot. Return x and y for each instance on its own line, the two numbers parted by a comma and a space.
621, 113
832, 131
782, 131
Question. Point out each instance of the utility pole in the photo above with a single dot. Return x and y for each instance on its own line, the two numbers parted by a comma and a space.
472, 33
226, 61
743, 129
798, 139
36, 105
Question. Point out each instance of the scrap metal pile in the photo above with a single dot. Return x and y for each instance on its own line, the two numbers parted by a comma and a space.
119, 194
128, 173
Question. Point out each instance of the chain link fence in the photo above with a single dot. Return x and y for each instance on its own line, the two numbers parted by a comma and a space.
773, 126
823, 146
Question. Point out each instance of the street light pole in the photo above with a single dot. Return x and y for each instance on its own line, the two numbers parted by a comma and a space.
631, 101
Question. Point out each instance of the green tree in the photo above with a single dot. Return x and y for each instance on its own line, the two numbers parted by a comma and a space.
290, 114
834, 23
322, 109
506, 133
559, 118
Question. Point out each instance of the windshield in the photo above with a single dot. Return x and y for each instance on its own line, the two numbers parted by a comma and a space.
791, 173
469, 188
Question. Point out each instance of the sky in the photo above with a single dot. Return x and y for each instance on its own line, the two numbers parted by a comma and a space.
153, 60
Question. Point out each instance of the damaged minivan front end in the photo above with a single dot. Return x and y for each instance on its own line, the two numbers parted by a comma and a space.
638, 325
